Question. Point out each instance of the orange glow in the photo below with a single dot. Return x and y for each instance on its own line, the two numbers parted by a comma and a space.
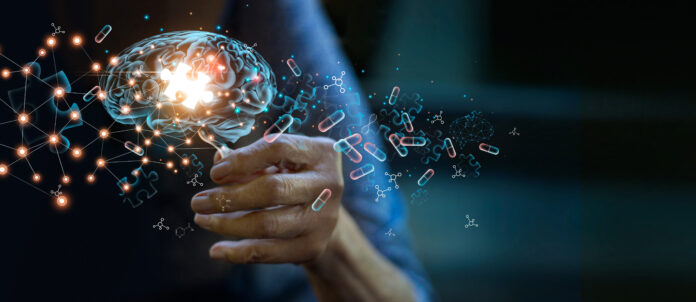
147, 142
36, 177
113, 60
170, 165
185, 161
101, 95
53, 139
51, 41
62, 201
76, 40
59, 92
145, 160
42, 52
170, 149
188, 141
22, 151
125, 109
26, 70
65, 179
74, 115
101, 163
4, 169
157, 132
104, 133
96, 66
138, 128
5, 73
91, 178
23, 118
76, 152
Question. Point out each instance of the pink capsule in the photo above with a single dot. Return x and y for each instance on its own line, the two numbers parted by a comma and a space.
450, 148
282, 124
346, 148
294, 68
394, 95
413, 141
101, 35
396, 142
374, 151
353, 140
407, 122
489, 149
321, 200
426, 176
331, 120
362, 171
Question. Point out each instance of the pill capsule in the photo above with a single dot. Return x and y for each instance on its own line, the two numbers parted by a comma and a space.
331, 120
394, 95
342, 145
396, 142
450, 148
282, 124
134, 148
91, 94
489, 149
321, 200
407, 121
353, 140
294, 68
374, 151
362, 171
415, 141
426, 176
102, 33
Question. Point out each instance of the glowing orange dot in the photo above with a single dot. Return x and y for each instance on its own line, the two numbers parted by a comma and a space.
4, 169
138, 128
76, 152
185, 161
104, 133
210, 58
125, 109
170, 148
91, 178
26, 70
65, 179
131, 82
42, 52
36, 177
53, 139
113, 60
5, 73
59, 92
158, 105
188, 141
77, 40
51, 42
23, 118
125, 187
146, 160
170, 164
137, 97
101, 162
61, 201
157, 132
96, 66
74, 115
22, 151
147, 142
101, 95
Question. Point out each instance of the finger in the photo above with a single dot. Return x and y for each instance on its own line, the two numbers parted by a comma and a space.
280, 222
262, 192
285, 152
297, 250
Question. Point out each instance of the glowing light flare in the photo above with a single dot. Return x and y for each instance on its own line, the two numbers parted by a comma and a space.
36, 177
51, 41
181, 88
170, 164
62, 201
53, 139
23, 118
101, 163
76, 152
22, 151
42, 52
103, 133
4, 169
91, 178
76, 40
96, 66
5, 73
59, 92
74, 115
65, 179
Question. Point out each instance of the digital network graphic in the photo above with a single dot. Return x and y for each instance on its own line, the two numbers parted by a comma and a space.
167, 92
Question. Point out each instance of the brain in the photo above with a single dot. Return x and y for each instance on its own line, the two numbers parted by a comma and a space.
471, 128
178, 82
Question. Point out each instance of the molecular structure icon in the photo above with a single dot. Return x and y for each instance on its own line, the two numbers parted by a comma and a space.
181, 231
57, 191
160, 225
437, 118
392, 178
381, 193
390, 233
471, 222
56, 30
194, 181
458, 172
224, 202
514, 132
338, 82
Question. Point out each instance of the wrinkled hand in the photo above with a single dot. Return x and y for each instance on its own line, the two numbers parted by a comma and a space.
265, 197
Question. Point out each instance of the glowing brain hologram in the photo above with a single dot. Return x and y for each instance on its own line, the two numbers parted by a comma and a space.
180, 82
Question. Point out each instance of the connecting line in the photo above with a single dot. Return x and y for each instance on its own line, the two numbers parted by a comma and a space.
117, 156
8, 106
125, 161
20, 67
31, 185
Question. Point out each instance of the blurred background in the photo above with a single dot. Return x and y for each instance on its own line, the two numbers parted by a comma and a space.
593, 201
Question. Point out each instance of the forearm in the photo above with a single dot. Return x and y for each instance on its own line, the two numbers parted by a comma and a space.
352, 270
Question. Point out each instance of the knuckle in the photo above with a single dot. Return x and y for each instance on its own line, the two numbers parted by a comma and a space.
253, 255
269, 225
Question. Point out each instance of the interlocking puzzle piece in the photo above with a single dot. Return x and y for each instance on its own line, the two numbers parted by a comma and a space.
194, 167
38, 100
419, 197
434, 147
469, 165
142, 188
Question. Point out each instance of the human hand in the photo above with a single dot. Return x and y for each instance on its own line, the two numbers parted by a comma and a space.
265, 196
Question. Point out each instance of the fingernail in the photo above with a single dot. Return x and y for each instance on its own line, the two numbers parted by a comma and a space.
221, 154
201, 204
200, 194
217, 253
220, 170
202, 220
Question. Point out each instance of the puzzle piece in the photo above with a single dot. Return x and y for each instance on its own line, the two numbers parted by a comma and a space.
419, 197
195, 166
43, 108
433, 148
140, 189
469, 165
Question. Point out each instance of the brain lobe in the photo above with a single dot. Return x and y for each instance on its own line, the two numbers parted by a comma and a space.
179, 81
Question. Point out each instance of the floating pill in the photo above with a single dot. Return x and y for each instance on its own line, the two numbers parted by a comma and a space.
374, 151
91, 94
353, 140
342, 145
413, 141
331, 120
294, 68
426, 176
396, 142
450, 148
282, 124
362, 171
321, 200
134, 148
102, 33
489, 149
407, 122
394, 95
